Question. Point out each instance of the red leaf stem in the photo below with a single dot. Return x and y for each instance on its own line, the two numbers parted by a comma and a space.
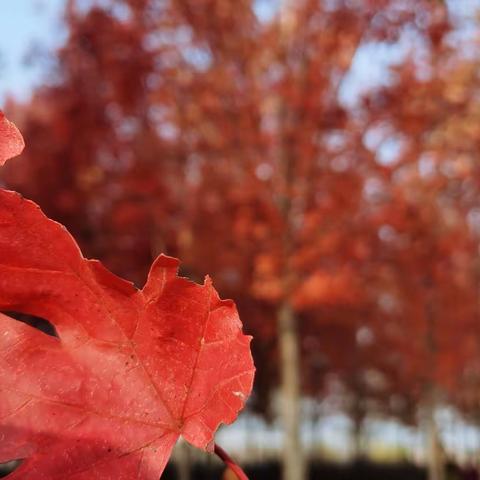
230, 463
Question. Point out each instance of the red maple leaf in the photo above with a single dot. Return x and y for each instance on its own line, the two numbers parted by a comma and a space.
11, 141
130, 371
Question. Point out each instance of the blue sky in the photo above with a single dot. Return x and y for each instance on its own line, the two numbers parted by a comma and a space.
27, 28
32, 27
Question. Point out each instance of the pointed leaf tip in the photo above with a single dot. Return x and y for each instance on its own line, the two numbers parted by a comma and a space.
11, 140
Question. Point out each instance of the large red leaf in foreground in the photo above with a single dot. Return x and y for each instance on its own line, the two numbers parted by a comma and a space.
11, 141
131, 370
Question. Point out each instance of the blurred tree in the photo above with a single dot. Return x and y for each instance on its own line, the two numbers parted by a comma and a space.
433, 197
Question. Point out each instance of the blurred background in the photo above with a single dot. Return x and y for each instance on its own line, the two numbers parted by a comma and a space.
320, 159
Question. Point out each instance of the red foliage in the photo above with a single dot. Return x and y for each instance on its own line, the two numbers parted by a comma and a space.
130, 371
11, 141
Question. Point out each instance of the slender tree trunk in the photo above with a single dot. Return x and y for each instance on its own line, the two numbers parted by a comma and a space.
359, 447
435, 460
294, 464
293, 458
434, 451
358, 414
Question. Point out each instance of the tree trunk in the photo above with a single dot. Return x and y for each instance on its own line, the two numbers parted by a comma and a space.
435, 460
358, 414
359, 447
434, 451
294, 464
294, 467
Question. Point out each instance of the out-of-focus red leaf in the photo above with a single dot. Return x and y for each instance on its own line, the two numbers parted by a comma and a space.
130, 371
11, 140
